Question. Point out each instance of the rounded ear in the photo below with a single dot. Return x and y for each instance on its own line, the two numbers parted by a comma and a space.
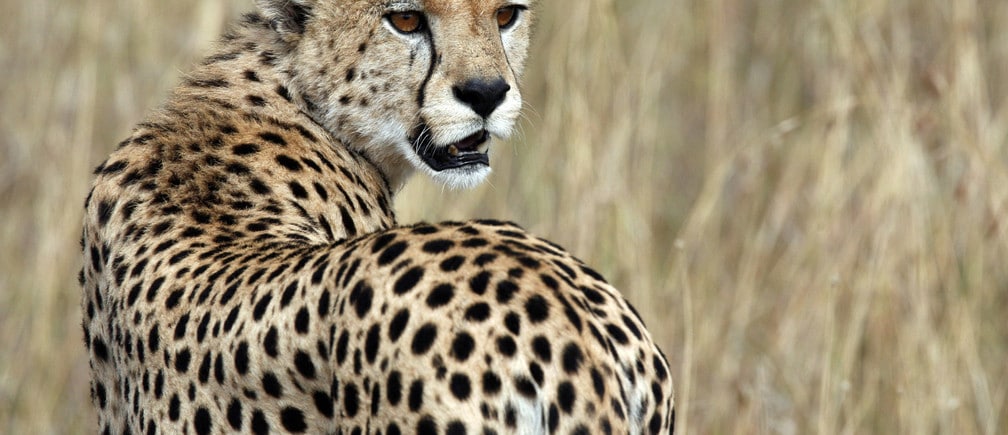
287, 17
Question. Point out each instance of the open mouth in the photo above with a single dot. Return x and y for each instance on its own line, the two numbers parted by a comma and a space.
456, 155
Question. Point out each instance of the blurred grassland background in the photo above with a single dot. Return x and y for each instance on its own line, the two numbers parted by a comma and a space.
807, 200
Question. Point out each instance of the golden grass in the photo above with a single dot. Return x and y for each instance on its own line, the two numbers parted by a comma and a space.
805, 199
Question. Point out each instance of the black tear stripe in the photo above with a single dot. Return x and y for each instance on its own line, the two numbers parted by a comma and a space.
430, 69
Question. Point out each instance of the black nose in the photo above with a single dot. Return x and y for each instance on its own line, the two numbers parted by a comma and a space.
483, 96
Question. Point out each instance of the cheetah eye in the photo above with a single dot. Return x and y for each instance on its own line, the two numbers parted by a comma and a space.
406, 22
506, 16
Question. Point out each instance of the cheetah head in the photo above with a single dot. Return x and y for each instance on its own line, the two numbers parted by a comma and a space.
414, 85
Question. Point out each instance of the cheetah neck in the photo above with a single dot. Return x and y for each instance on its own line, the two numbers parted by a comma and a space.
242, 159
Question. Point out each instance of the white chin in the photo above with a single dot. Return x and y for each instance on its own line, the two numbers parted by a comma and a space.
466, 177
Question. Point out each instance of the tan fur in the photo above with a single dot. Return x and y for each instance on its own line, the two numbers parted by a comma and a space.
243, 269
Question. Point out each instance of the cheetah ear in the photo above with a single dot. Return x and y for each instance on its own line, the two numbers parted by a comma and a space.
287, 17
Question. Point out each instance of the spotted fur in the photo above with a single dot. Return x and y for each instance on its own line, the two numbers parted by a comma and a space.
244, 272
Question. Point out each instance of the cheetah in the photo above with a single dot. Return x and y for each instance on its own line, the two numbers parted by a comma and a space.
244, 270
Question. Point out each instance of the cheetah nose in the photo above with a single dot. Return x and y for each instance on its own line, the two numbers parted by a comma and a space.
483, 96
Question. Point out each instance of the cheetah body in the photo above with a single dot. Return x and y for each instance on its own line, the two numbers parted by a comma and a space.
243, 269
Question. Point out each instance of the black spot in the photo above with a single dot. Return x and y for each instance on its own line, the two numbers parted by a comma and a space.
491, 383
398, 324
361, 298
455, 427
655, 424
460, 386
407, 281
659, 368
174, 407
271, 385
348, 222
351, 403
153, 339
391, 253
283, 92
208, 83
593, 295
525, 387
424, 339
323, 403
256, 100
292, 420
632, 326
182, 359
237, 168
301, 320
566, 396
541, 347
572, 358
507, 346
478, 312
341, 347
259, 187
272, 138
453, 263
234, 414
105, 210
394, 388
321, 191
241, 359
201, 421
597, 382
513, 323
113, 168
537, 373
231, 318
537, 308
304, 365
288, 294
416, 395
288, 163
617, 333
99, 349
462, 346
259, 424
159, 385
245, 149
440, 295
438, 246
381, 242
505, 291
371, 344
298, 190
475, 243
204, 369
478, 284
485, 259
100, 394
261, 306
427, 426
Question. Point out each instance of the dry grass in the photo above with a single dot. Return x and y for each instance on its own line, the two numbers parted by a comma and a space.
806, 199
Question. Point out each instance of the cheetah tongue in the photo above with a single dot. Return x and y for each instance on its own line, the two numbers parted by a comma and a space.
462, 153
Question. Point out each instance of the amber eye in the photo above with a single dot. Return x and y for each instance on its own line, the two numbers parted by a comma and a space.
406, 22
507, 16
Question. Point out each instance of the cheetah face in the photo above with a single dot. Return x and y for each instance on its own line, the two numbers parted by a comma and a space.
411, 84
